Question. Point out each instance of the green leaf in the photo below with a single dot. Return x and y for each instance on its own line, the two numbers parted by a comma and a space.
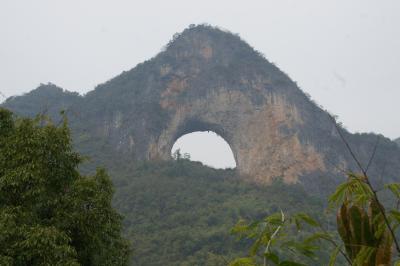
365, 254
307, 219
333, 257
274, 219
243, 262
318, 236
339, 195
395, 215
394, 188
256, 246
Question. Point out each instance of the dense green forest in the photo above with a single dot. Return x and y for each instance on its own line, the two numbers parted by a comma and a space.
182, 213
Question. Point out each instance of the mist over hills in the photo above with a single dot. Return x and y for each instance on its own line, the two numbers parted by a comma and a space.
207, 79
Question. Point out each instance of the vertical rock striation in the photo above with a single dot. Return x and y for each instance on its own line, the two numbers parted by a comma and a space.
210, 80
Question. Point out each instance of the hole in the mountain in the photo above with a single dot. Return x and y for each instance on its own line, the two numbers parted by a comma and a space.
206, 147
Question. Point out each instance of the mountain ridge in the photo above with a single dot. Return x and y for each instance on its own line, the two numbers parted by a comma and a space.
130, 113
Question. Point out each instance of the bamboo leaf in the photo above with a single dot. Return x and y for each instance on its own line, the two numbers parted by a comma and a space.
307, 219
364, 255
339, 195
395, 215
394, 188
384, 252
243, 262
333, 257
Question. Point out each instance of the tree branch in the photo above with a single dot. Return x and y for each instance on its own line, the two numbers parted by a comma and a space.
333, 242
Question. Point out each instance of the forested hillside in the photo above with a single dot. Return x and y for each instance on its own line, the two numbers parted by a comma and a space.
181, 212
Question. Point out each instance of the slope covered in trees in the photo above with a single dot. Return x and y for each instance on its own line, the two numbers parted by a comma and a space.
182, 213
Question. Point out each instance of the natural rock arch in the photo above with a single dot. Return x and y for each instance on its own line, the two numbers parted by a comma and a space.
208, 79
253, 132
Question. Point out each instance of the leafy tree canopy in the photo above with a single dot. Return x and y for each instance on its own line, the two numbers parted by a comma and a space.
49, 213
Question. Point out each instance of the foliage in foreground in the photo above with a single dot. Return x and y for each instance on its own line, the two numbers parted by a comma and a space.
361, 225
49, 213
367, 231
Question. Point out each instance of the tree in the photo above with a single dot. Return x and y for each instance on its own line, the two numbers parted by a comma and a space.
177, 155
274, 237
50, 214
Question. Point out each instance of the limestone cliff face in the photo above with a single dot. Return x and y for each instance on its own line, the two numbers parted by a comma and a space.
251, 110
210, 80
261, 150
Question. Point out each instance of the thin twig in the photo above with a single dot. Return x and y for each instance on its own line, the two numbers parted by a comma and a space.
348, 146
373, 154
333, 242
381, 175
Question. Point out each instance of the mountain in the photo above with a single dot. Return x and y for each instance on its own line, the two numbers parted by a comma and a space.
209, 79
47, 99
397, 141
288, 151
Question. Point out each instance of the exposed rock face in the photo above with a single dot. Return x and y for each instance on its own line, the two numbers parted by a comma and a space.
210, 80
254, 132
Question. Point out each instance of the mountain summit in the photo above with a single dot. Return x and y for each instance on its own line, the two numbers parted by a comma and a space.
207, 79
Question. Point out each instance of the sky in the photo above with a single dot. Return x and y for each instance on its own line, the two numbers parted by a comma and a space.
344, 53
219, 156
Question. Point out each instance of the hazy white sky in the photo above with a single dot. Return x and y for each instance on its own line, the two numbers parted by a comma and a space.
217, 154
344, 53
